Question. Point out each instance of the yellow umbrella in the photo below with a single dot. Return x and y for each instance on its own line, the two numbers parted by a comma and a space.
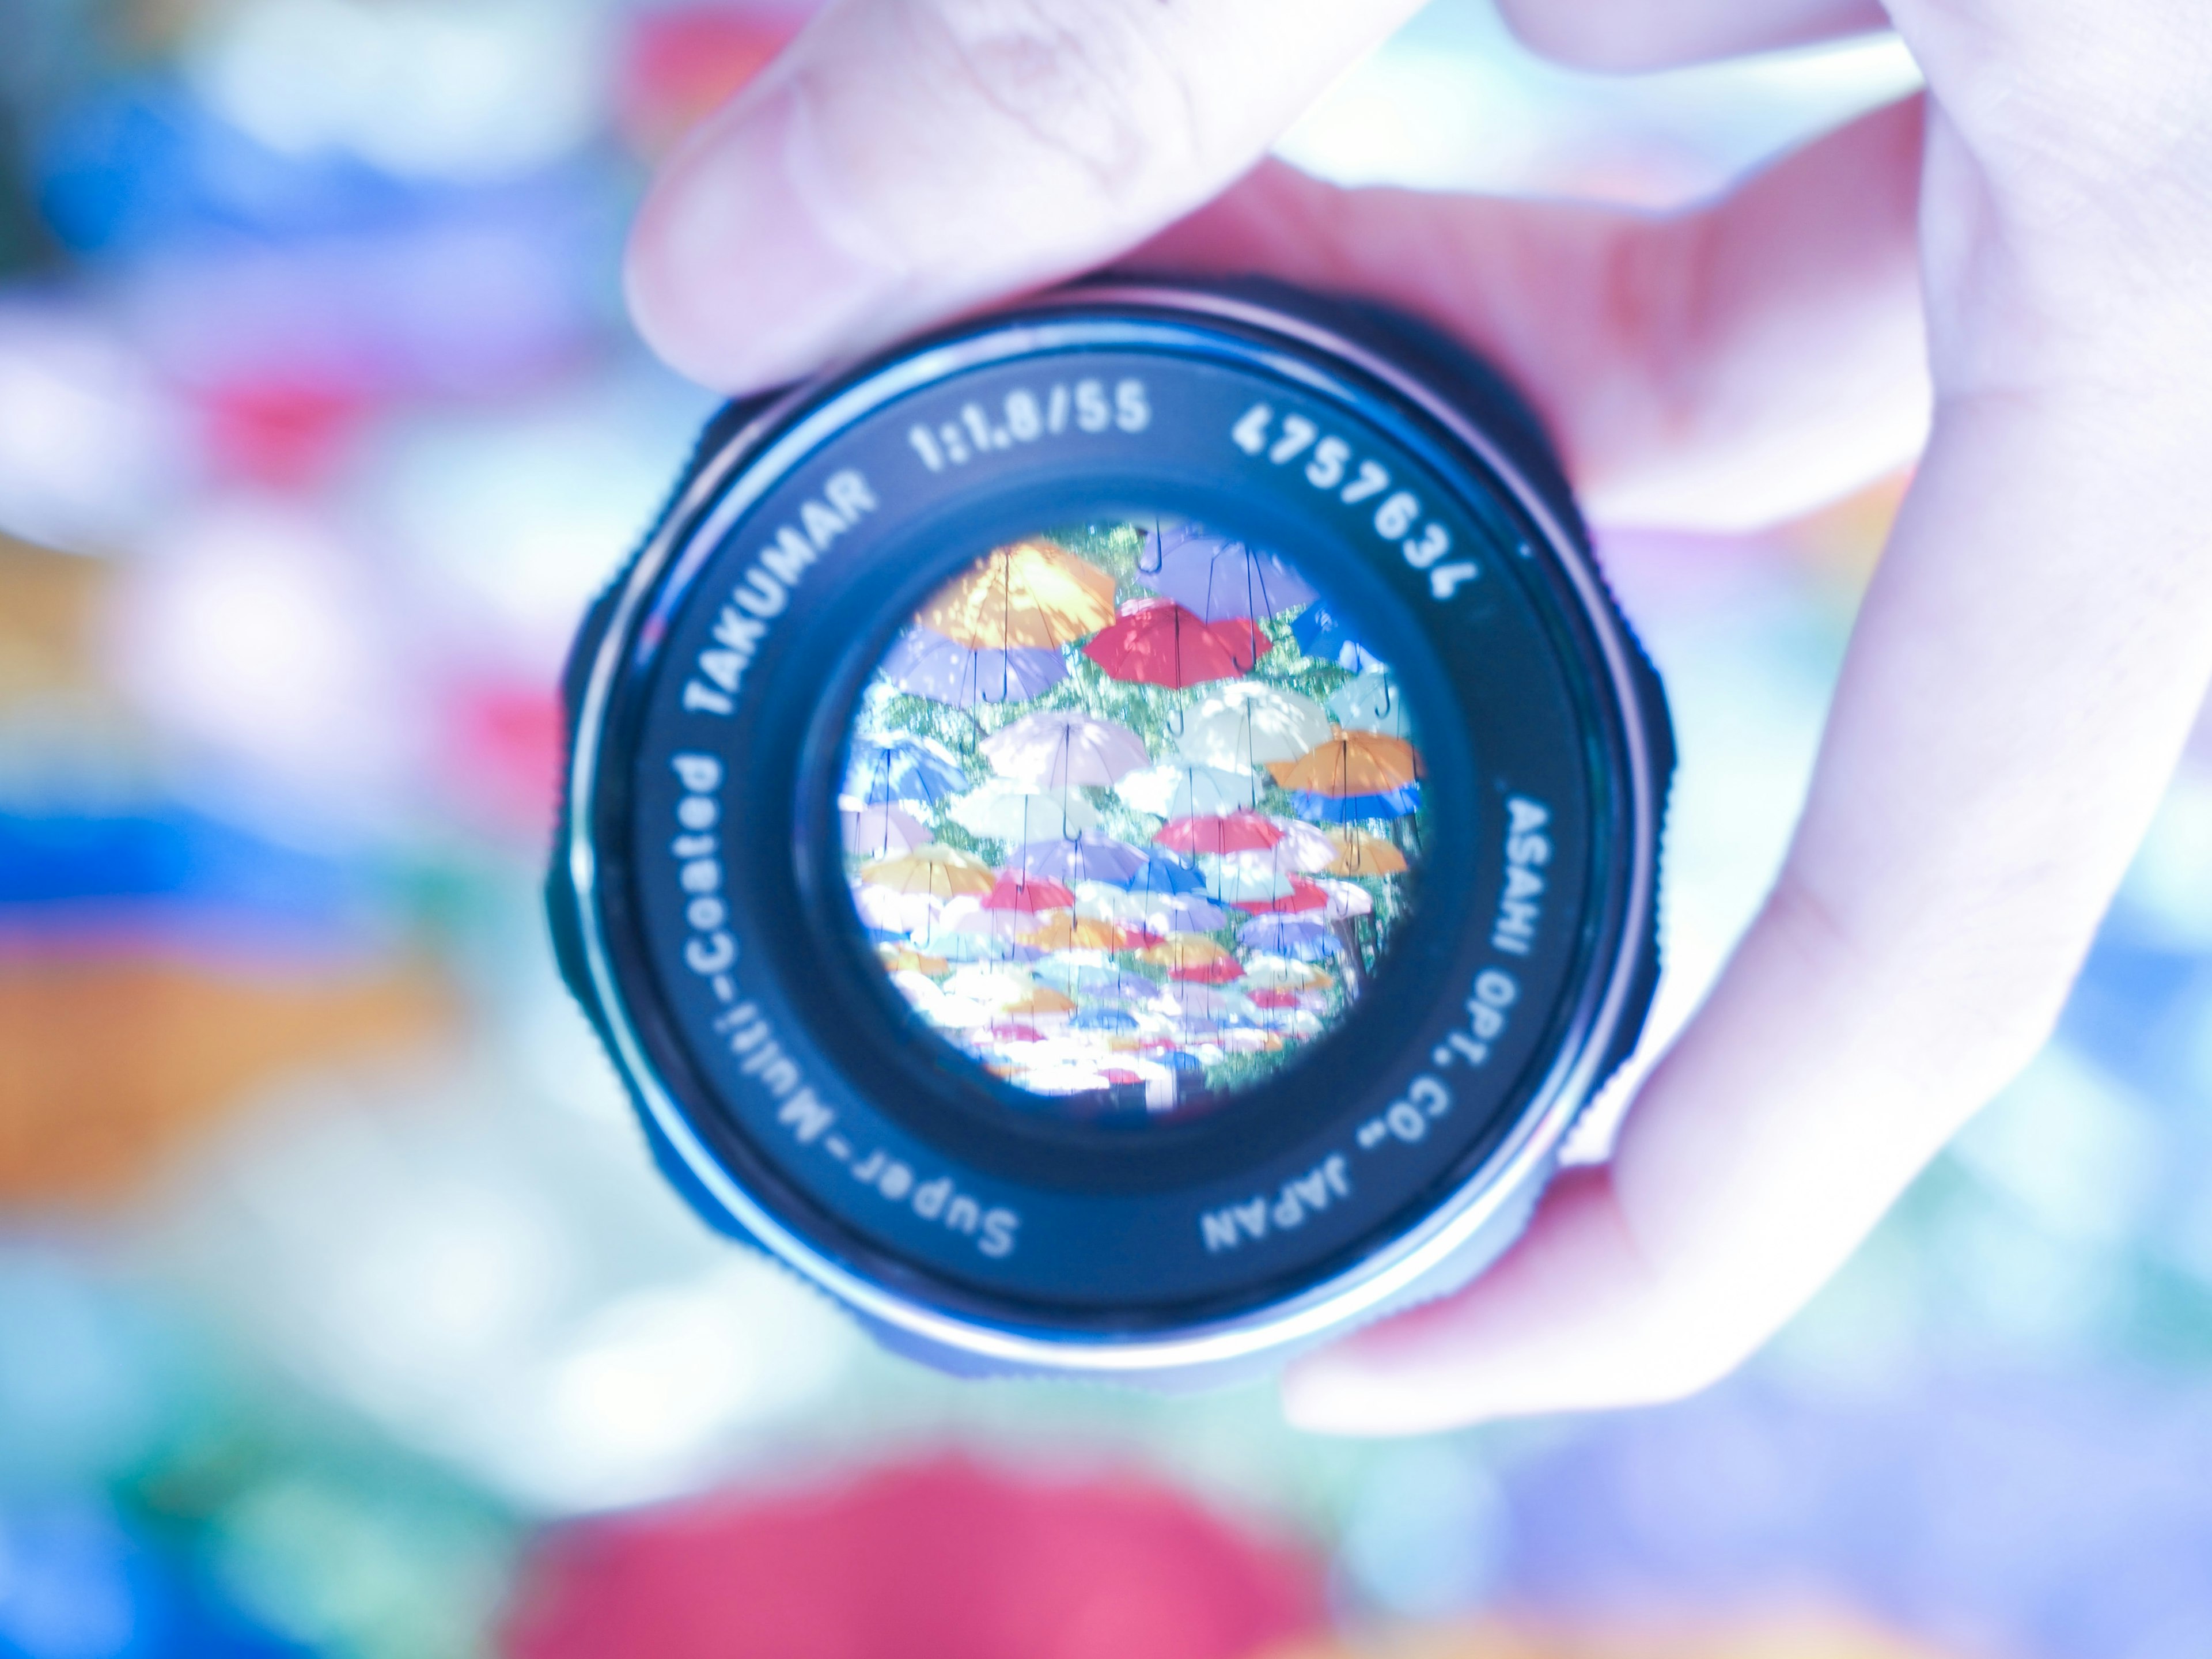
1065, 932
1030, 593
932, 868
1043, 1000
1184, 951
904, 958
1360, 853
1354, 764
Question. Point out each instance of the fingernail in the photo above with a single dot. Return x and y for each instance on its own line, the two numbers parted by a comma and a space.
742, 270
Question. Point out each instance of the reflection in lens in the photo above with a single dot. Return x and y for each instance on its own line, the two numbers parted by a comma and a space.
1131, 815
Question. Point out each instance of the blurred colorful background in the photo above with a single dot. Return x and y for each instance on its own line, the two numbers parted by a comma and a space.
341, 1311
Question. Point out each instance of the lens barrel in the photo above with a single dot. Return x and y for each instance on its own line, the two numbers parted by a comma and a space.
1218, 1023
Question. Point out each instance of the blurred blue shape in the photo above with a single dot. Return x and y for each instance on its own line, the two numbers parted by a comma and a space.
1319, 634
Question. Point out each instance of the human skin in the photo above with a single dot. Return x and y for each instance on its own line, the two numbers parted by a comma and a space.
2006, 276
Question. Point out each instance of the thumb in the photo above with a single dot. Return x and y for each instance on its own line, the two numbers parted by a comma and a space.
907, 160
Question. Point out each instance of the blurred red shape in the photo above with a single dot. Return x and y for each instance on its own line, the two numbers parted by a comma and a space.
939, 1560
680, 64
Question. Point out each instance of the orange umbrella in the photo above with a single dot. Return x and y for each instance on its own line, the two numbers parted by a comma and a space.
1360, 853
1185, 951
1030, 594
904, 958
1043, 1000
932, 868
1065, 931
1354, 764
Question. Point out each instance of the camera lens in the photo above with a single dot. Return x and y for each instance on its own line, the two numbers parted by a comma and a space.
1117, 838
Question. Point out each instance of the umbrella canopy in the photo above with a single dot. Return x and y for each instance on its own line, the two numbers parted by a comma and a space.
1302, 848
1288, 936
1007, 809
1195, 1001
895, 912
1058, 747
1217, 578
1164, 875
1065, 932
1354, 764
1183, 789
879, 771
1231, 832
1372, 703
1302, 896
1108, 902
1275, 999
1211, 973
1098, 985
926, 664
1241, 878
1186, 950
905, 959
1360, 854
1032, 593
880, 831
1349, 809
1019, 889
1283, 974
1185, 913
1158, 643
932, 868
966, 914
1320, 633
1105, 1020
1081, 859
1040, 1000
1345, 901
1240, 725
994, 987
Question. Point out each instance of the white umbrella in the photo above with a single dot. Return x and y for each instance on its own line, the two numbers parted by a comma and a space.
993, 988
880, 831
1246, 722
1245, 877
1303, 847
895, 912
1181, 789
1009, 809
1055, 748
1107, 902
1372, 703
1345, 900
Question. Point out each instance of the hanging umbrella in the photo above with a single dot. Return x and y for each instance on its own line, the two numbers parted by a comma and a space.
1185, 951
1211, 973
966, 914
1240, 878
932, 868
1158, 643
1302, 848
1360, 853
1349, 809
1231, 832
901, 768
1065, 932
1097, 985
1183, 789
1345, 901
1240, 725
1354, 764
895, 912
1080, 859
926, 664
1322, 635
1110, 902
1217, 578
1288, 936
1019, 889
1042, 1001
881, 831
953, 1013
1372, 703
1005, 809
1281, 973
1104, 1019
1185, 913
905, 959
1164, 875
1274, 998
1031, 594
956, 947
1192, 1001
1058, 747
995, 988
1303, 895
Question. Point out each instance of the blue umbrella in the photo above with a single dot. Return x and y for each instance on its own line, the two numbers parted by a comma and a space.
904, 768
1085, 857
1190, 913
926, 664
1104, 1019
1306, 941
1349, 809
1218, 578
1164, 874
1321, 634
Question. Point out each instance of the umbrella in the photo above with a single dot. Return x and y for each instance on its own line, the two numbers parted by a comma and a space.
1209, 973
1302, 848
1110, 902
966, 914
1360, 853
928, 665
1240, 725
1348, 809
895, 912
1283, 974
1320, 633
1158, 643
1372, 704
1303, 895
1185, 913
955, 946
932, 868
1032, 593
1104, 1019
1005, 809
901, 768
1196, 1001
1217, 578
1058, 748
1019, 889
879, 831
1185, 951
954, 1013
994, 987
1231, 832
1354, 764
1275, 999
1041, 1000
1238, 878
1165, 875
1248, 1042
1182, 789
1345, 900
1080, 859
1095, 985
1070, 933
905, 959
1293, 937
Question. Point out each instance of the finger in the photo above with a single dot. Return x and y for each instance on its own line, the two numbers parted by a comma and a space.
2025, 669
1649, 34
904, 159
1723, 367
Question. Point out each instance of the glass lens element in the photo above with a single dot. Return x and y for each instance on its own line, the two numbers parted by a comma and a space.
1130, 815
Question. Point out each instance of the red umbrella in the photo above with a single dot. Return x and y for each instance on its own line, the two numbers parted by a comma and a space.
1212, 973
1274, 998
1303, 895
1016, 889
1118, 1074
1143, 938
1016, 1034
1158, 643
1241, 831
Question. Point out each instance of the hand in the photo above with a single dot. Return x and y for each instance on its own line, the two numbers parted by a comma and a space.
2025, 667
